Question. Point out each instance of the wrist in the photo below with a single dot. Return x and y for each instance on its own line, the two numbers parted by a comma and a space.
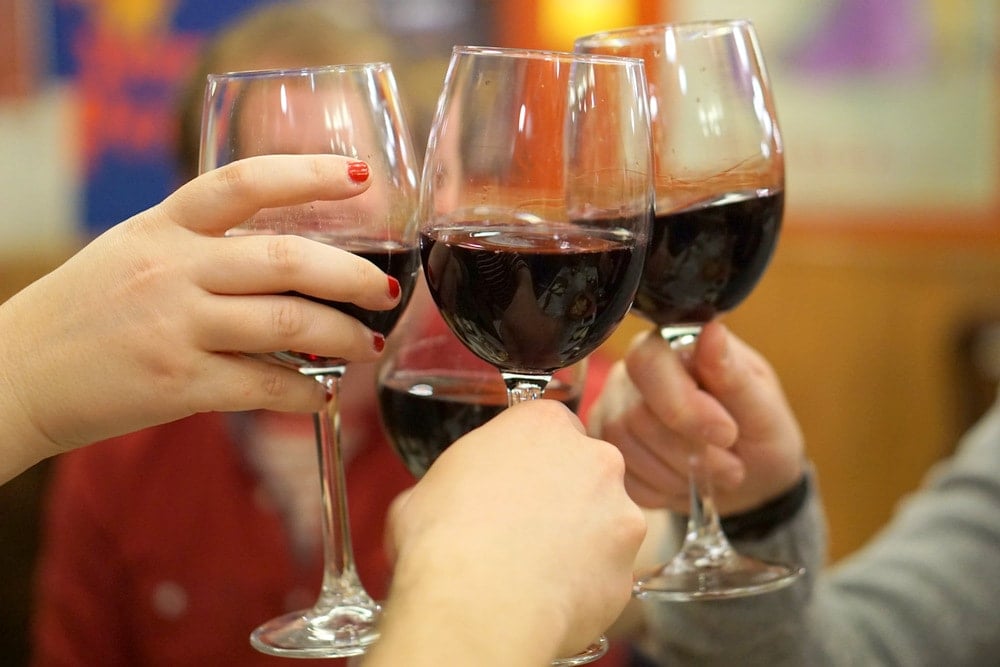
761, 521
440, 612
21, 444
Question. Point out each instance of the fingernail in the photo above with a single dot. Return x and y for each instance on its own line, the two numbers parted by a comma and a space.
357, 172
393, 287
378, 342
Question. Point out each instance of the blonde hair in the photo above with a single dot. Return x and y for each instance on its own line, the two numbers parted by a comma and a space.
281, 35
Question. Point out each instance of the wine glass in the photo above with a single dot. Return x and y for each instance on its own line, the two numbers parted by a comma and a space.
350, 110
432, 389
535, 205
719, 202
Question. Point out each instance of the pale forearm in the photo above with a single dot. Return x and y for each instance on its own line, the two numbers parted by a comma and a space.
15, 458
21, 443
435, 619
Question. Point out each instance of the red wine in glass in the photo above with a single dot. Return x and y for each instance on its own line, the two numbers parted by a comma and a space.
531, 297
422, 415
399, 261
704, 260
720, 178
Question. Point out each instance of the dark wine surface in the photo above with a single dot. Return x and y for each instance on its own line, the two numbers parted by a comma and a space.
531, 297
398, 261
705, 260
423, 415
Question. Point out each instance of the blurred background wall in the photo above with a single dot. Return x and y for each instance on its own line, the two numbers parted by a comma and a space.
879, 310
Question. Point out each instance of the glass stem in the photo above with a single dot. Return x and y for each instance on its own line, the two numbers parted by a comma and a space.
340, 578
681, 338
522, 387
528, 387
704, 540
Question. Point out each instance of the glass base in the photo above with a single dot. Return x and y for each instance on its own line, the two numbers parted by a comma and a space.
592, 653
303, 634
732, 576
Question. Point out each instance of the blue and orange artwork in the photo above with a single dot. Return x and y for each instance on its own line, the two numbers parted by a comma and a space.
125, 61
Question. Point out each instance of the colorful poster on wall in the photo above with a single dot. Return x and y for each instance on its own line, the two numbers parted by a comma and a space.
124, 60
884, 104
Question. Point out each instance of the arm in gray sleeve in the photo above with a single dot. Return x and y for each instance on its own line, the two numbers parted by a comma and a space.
925, 591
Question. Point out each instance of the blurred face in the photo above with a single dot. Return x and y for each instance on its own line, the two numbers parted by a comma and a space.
300, 114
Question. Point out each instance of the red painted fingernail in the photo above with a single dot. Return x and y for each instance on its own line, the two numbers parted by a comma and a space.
357, 172
393, 287
378, 342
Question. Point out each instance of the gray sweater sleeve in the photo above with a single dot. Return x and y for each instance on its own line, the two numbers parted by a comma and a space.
925, 591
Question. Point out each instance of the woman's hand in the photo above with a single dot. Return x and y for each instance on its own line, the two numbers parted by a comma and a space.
147, 323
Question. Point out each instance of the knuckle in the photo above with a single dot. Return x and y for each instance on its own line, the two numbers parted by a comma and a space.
320, 170
274, 384
761, 371
288, 318
551, 410
234, 177
670, 414
613, 460
635, 522
283, 254
364, 275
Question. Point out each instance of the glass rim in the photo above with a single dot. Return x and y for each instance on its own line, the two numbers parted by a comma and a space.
660, 28
286, 72
544, 54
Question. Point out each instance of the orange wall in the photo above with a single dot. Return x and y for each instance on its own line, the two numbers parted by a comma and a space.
521, 21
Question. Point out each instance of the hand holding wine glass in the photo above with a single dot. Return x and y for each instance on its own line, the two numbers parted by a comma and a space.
719, 203
543, 570
101, 309
535, 207
349, 110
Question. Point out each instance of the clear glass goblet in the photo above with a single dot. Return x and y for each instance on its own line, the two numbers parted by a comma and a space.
720, 192
535, 206
350, 110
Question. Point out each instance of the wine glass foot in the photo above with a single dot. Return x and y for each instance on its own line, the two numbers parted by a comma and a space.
730, 577
305, 634
590, 654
